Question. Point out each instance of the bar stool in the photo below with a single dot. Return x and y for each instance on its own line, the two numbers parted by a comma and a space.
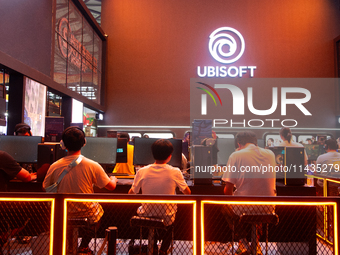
73, 225
255, 220
151, 223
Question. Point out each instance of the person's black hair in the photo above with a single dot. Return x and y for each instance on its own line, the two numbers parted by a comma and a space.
245, 137
331, 144
162, 149
22, 128
286, 133
124, 135
73, 138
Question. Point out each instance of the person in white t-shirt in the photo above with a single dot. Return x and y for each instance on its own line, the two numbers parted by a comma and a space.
328, 165
160, 178
247, 163
79, 179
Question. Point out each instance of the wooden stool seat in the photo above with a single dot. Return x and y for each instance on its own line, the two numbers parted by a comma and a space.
147, 222
150, 223
255, 220
260, 218
74, 224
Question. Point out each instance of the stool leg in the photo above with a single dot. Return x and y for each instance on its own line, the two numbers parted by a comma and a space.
232, 238
140, 240
266, 239
151, 241
74, 241
254, 240
95, 239
172, 239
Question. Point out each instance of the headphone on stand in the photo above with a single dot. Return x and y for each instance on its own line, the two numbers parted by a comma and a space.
67, 130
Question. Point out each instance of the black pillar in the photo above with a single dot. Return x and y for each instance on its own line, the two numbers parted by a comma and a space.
16, 102
66, 110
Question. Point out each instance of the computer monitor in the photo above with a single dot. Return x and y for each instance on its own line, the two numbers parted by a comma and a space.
24, 149
121, 150
226, 146
143, 155
295, 162
100, 149
291, 165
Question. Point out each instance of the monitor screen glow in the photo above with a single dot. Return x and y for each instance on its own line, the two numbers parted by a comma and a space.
143, 156
24, 149
100, 149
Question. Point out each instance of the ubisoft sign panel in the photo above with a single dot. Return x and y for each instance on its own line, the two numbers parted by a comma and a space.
226, 45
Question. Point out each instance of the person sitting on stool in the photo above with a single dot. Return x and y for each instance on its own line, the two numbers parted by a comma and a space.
248, 155
160, 178
330, 165
79, 179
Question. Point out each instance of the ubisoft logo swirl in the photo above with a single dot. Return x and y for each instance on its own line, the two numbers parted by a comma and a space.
222, 37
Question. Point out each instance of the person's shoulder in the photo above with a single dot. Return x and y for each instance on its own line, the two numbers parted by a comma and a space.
298, 144
283, 143
144, 169
244, 151
328, 155
269, 152
236, 154
89, 162
4, 154
58, 162
322, 157
266, 150
170, 167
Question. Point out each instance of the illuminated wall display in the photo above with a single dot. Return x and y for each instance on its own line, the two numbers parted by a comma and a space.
226, 45
78, 52
35, 106
77, 111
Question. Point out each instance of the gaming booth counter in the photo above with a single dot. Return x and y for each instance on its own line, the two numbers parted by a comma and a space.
202, 179
294, 214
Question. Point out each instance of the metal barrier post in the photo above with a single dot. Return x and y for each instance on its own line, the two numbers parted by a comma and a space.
58, 225
111, 234
198, 227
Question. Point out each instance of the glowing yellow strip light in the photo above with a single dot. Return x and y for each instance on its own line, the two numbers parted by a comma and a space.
331, 180
325, 214
325, 194
325, 239
52, 200
324, 178
130, 201
336, 252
